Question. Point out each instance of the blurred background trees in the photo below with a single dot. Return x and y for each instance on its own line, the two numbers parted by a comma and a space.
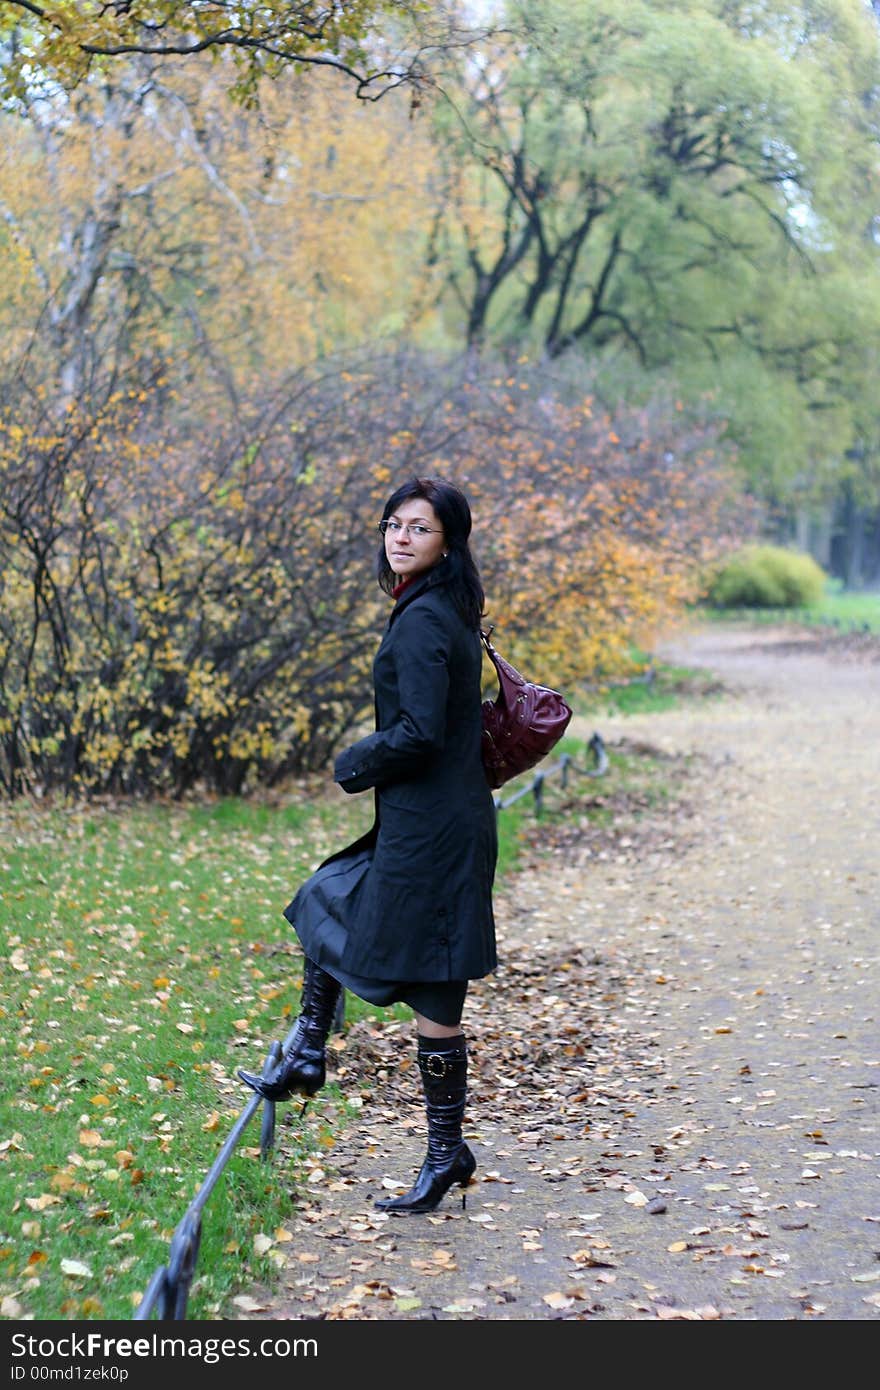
613, 267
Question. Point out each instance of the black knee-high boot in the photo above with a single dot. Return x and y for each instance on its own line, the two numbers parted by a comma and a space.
301, 1069
443, 1064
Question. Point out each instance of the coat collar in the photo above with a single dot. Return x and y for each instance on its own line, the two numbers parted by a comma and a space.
418, 586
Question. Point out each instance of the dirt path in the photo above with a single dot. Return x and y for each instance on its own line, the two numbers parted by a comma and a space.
677, 1069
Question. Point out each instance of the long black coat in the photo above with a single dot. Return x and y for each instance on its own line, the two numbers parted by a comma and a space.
412, 899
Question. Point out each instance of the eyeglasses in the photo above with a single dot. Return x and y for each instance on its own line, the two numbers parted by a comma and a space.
396, 528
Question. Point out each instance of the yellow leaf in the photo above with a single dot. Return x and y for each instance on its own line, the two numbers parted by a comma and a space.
557, 1300
46, 1199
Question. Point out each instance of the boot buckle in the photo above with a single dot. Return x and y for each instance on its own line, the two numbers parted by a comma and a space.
435, 1065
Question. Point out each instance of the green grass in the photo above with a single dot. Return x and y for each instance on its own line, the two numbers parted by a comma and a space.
845, 611
146, 959
859, 610
659, 688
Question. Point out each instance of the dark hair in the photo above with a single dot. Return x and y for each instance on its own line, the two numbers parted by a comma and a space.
458, 569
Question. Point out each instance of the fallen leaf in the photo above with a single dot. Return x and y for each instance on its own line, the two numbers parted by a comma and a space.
557, 1300
248, 1304
636, 1199
46, 1199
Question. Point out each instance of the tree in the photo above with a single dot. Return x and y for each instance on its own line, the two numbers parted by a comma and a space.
687, 184
376, 44
152, 214
184, 601
604, 157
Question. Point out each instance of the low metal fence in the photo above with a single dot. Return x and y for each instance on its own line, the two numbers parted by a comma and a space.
565, 766
168, 1291
167, 1294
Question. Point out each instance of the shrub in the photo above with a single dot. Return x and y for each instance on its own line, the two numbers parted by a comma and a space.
185, 594
766, 576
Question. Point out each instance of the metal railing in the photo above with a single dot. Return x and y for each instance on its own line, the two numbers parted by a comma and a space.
168, 1291
564, 766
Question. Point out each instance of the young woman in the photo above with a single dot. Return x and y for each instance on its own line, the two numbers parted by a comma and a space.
406, 912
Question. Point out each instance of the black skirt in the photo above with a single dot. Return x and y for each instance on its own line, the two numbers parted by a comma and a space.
442, 1001
320, 915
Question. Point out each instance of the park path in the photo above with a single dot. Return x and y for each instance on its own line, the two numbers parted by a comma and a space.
677, 1067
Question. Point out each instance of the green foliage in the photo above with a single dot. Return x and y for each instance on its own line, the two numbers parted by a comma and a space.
690, 185
766, 576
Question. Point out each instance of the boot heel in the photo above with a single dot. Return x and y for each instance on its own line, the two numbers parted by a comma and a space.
302, 1067
449, 1161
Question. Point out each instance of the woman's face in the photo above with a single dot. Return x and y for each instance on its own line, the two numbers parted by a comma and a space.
414, 539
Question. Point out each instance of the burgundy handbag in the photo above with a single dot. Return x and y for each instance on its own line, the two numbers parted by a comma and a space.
521, 725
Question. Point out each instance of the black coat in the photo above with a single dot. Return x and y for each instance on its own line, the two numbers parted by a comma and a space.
412, 899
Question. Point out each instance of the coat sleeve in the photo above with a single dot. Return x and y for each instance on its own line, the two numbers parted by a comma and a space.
421, 657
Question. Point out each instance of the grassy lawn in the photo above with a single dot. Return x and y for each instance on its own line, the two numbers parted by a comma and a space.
146, 958
850, 610
661, 687
845, 611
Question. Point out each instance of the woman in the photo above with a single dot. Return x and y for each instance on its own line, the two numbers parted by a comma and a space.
406, 912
